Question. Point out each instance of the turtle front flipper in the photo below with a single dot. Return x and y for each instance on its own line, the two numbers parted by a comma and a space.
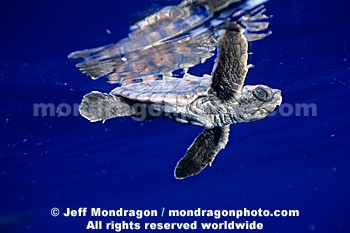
97, 106
202, 152
231, 67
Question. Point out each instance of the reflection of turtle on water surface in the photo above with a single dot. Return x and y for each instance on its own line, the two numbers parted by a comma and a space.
176, 37
212, 102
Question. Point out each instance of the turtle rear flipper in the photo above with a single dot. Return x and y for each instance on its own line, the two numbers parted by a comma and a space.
202, 152
97, 106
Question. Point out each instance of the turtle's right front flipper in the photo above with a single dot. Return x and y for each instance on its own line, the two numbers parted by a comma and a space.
97, 106
202, 152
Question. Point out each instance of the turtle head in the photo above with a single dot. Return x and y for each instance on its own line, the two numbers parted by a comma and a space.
256, 102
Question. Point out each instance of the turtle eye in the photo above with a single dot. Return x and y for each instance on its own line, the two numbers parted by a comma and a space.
260, 94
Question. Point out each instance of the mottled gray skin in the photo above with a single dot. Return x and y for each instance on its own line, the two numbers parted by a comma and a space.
225, 102
206, 111
210, 111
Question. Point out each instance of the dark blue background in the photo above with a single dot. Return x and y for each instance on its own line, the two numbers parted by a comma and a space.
281, 162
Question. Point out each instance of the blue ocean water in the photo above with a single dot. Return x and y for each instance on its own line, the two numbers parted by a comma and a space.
292, 160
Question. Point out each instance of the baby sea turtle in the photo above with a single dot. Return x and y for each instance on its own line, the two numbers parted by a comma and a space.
213, 101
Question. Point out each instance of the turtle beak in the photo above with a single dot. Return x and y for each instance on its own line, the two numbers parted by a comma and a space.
277, 97
279, 100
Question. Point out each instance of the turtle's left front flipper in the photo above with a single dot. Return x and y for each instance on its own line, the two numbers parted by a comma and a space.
202, 152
